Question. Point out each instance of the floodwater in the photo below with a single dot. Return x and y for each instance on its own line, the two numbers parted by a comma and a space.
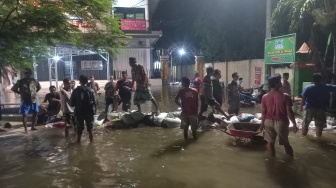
156, 157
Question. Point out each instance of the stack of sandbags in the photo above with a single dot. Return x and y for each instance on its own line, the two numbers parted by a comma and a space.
113, 115
158, 119
169, 122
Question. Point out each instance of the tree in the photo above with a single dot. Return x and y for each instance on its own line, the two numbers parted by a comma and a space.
29, 27
314, 21
231, 30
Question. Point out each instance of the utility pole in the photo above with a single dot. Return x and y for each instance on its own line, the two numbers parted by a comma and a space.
268, 18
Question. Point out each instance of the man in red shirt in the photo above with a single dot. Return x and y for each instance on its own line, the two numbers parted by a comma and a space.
189, 105
196, 82
276, 108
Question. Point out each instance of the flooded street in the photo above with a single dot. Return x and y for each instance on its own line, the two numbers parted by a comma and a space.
157, 157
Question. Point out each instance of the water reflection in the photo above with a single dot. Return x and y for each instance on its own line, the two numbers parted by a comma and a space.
287, 173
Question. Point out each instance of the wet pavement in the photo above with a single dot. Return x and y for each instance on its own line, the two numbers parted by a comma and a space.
157, 157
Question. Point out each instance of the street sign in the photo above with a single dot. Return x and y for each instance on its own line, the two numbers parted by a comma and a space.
280, 50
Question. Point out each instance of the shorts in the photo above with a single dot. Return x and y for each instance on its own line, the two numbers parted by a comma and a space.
142, 95
25, 108
207, 101
319, 116
69, 119
88, 121
276, 128
190, 120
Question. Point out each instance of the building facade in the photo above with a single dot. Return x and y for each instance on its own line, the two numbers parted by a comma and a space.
136, 18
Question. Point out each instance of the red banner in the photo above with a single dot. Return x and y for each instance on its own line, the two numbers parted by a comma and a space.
133, 25
257, 80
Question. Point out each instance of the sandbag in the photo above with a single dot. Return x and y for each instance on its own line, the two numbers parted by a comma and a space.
176, 114
171, 122
242, 115
234, 119
246, 118
137, 116
115, 124
255, 120
128, 120
258, 115
148, 120
158, 119
97, 122
113, 115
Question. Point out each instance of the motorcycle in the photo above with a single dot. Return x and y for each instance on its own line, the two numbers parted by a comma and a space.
248, 98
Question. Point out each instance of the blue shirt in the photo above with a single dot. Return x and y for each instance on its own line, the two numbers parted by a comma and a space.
317, 95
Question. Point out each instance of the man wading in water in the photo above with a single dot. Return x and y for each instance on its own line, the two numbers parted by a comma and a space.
315, 98
276, 108
83, 99
189, 105
142, 92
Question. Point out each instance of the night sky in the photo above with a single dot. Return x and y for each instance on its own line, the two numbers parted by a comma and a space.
176, 19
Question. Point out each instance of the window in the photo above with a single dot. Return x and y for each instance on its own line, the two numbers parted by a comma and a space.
130, 13
130, 16
140, 16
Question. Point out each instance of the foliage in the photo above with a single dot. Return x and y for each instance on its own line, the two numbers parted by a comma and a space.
312, 20
231, 30
28, 29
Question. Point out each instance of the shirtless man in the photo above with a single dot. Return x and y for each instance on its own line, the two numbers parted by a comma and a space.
142, 93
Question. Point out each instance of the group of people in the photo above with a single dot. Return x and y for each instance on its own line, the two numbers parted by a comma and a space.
79, 104
277, 110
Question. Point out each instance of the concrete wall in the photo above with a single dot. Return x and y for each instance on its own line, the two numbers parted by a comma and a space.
245, 69
185, 70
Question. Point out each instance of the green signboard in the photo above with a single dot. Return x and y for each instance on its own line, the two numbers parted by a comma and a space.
280, 50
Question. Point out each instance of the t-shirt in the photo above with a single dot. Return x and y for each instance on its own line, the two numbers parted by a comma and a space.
218, 89
123, 86
54, 106
286, 88
207, 87
317, 95
275, 103
94, 86
28, 88
233, 90
196, 83
139, 75
109, 90
189, 101
83, 99
66, 102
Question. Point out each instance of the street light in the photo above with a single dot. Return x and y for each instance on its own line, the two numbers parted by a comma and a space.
56, 58
181, 52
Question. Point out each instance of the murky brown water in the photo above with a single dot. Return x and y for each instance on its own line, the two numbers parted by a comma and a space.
157, 157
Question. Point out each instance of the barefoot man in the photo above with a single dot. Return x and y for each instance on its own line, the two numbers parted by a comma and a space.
142, 92
276, 108
28, 88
